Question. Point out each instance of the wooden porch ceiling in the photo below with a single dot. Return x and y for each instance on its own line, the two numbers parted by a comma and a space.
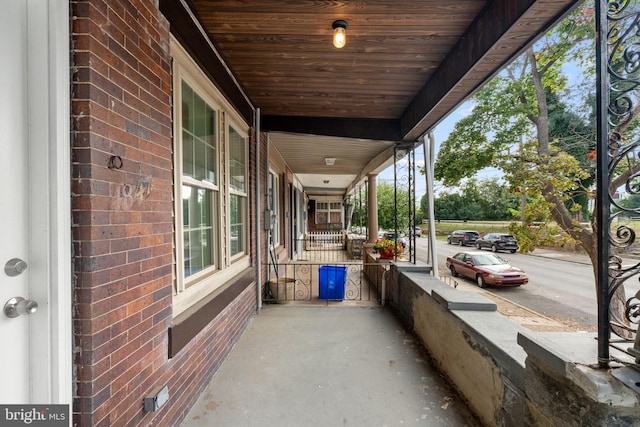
406, 65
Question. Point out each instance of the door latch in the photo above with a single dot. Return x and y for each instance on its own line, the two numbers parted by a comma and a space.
15, 267
17, 306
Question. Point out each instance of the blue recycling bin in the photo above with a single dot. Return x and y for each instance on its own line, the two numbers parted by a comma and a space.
332, 279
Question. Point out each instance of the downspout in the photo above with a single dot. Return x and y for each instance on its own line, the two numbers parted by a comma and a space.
258, 210
428, 172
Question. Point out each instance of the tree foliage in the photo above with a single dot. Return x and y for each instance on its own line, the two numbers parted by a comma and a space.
391, 205
631, 203
484, 200
520, 124
387, 208
359, 214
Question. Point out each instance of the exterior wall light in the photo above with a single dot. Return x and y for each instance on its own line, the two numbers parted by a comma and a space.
330, 161
339, 33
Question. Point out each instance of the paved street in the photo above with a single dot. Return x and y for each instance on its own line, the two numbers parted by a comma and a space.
561, 284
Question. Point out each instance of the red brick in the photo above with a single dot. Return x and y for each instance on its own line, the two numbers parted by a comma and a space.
125, 82
139, 304
125, 324
98, 10
124, 97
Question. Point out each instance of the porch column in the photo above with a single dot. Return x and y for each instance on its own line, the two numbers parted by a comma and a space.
372, 208
428, 145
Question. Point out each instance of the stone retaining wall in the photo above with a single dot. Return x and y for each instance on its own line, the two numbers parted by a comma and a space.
509, 375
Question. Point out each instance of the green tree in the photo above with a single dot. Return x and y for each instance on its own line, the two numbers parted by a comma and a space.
446, 206
359, 214
510, 127
519, 125
479, 200
497, 200
575, 136
630, 202
388, 208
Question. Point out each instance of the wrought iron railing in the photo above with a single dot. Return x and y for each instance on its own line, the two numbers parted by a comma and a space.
322, 247
321, 282
618, 72
404, 173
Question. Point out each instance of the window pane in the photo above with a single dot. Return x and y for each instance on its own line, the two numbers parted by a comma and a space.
187, 154
187, 108
198, 229
199, 112
200, 159
270, 192
210, 141
237, 224
237, 160
198, 137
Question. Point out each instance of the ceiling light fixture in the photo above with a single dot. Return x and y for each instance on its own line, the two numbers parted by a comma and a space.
330, 161
326, 181
339, 33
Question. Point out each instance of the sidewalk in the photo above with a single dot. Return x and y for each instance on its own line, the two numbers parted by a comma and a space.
581, 258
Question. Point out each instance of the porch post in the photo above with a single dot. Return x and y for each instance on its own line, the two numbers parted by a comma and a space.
429, 149
602, 184
372, 208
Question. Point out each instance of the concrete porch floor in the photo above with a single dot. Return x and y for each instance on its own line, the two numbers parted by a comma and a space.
300, 365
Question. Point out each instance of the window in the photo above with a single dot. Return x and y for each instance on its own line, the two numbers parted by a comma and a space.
238, 187
211, 190
199, 189
329, 213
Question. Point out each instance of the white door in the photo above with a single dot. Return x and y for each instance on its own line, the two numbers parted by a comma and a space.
14, 143
34, 366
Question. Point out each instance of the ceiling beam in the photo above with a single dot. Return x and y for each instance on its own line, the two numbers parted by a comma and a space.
482, 36
374, 129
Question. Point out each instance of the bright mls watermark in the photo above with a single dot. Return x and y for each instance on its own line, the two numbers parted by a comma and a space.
34, 415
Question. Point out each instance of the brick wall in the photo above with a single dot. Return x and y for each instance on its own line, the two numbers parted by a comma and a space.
123, 224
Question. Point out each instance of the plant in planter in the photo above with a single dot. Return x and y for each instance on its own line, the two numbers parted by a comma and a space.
388, 249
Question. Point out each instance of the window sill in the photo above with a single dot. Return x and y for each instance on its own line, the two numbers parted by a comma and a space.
194, 319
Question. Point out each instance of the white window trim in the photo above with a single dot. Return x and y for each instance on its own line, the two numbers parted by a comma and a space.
275, 208
226, 268
245, 193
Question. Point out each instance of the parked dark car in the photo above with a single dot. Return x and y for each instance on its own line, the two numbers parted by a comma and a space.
463, 237
486, 269
498, 242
